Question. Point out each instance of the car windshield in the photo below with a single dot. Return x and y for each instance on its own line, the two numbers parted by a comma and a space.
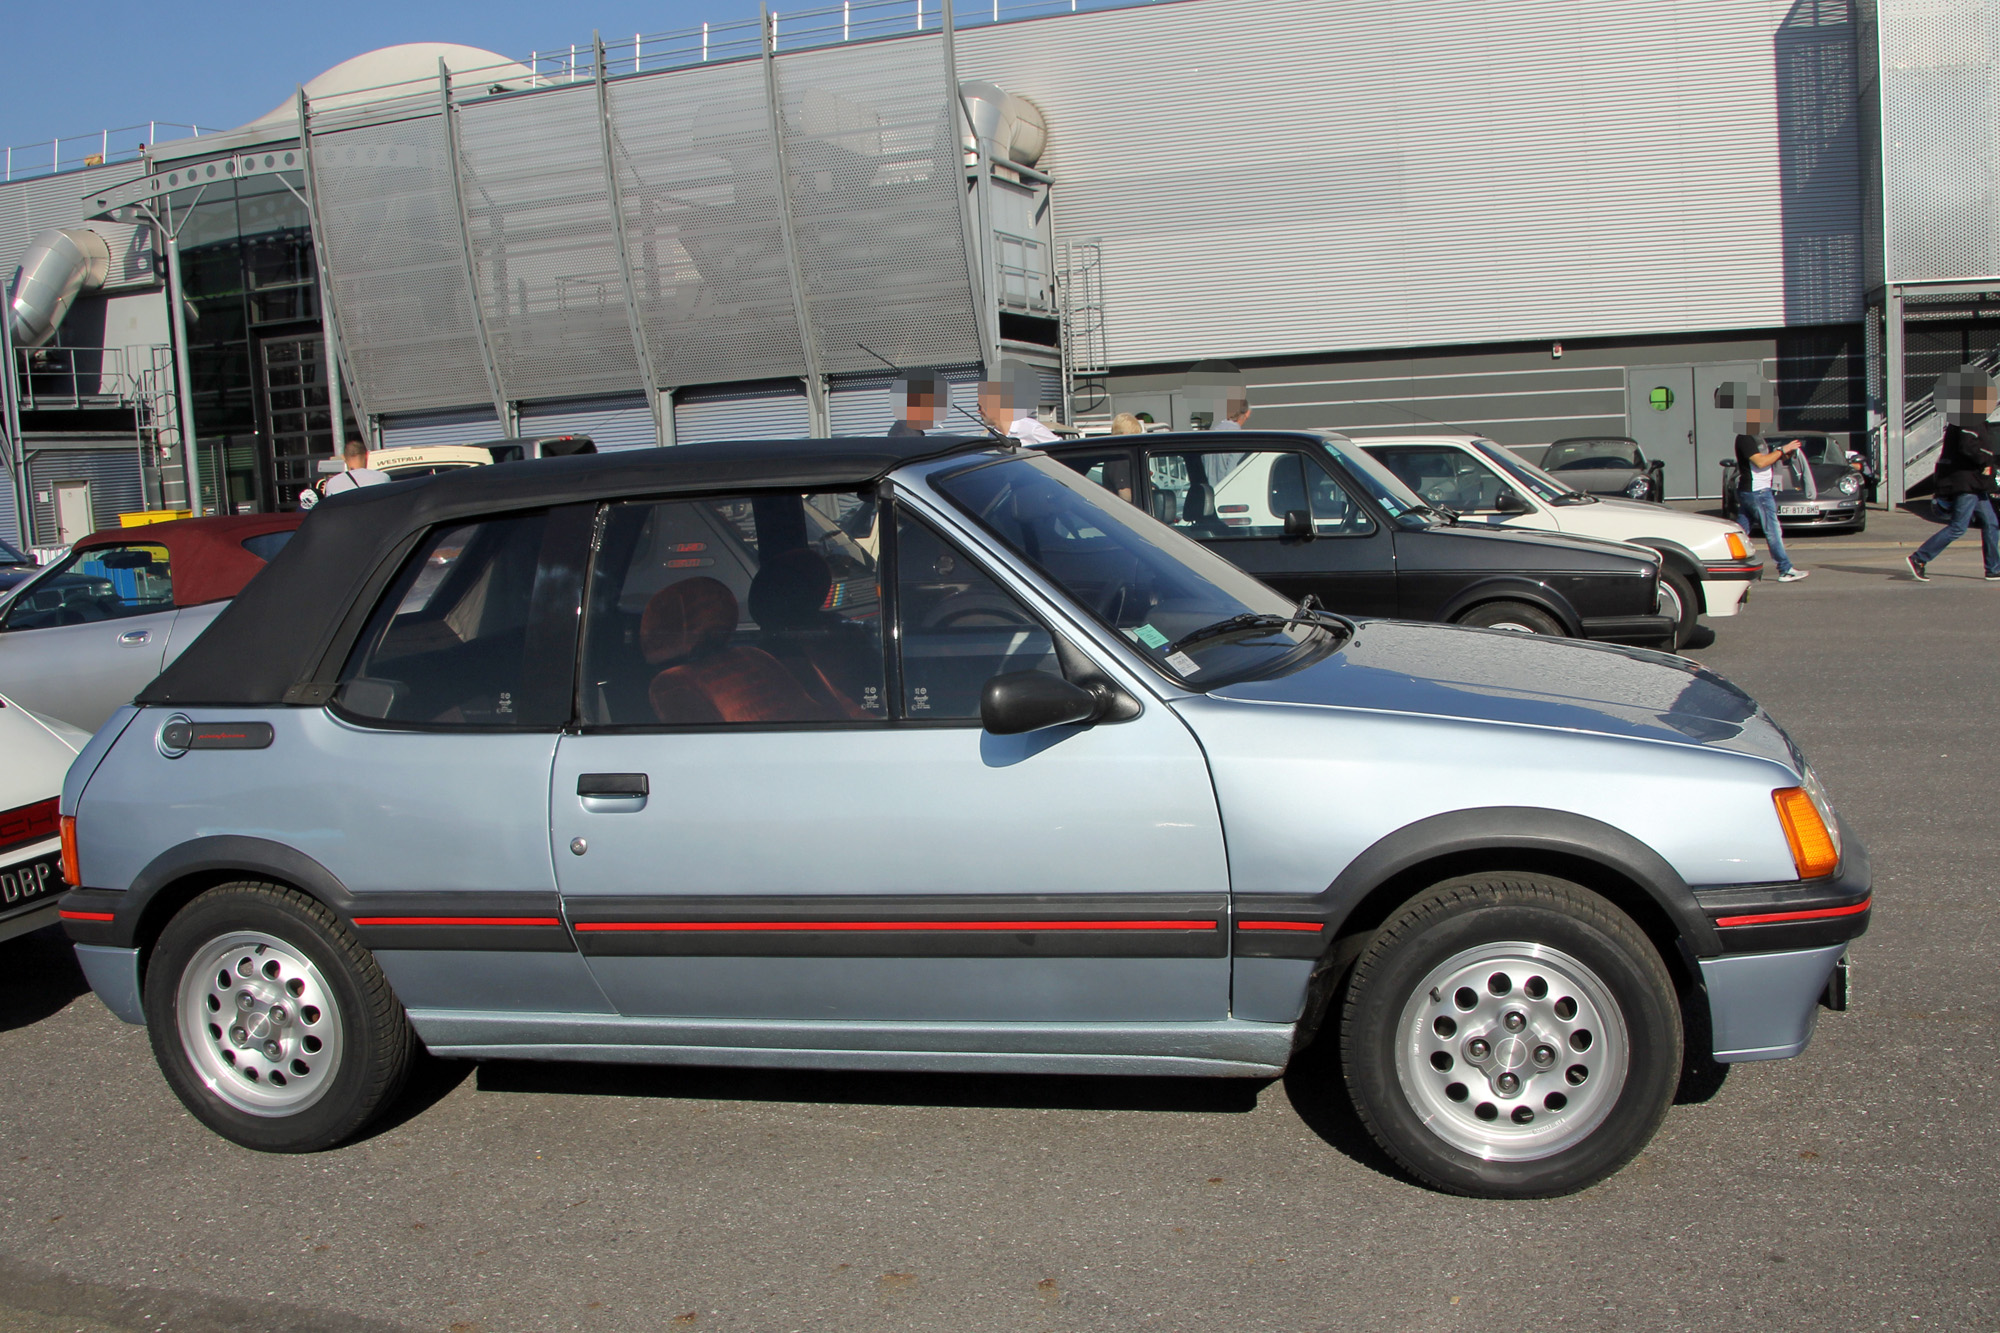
1816, 448
1384, 487
10, 556
1134, 573
1590, 455
1527, 474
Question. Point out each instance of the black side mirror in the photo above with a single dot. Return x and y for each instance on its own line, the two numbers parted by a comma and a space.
1298, 523
1509, 502
1021, 701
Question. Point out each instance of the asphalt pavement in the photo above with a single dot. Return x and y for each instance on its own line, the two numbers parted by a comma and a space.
1852, 1188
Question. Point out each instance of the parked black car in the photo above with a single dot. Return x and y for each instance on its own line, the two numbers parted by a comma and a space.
1821, 488
15, 567
1607, 465
1308, 512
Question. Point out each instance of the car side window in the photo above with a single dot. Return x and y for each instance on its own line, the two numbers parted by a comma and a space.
1234, 494
749, 609
462, 637
1445, 476
98, 583
958, 628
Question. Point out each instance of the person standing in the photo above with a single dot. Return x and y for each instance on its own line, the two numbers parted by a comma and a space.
1963, 480
1006, 404
1235, 415
1754, 493
358, 473
922, 391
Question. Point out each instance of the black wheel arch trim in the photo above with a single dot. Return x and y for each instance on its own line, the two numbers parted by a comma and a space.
1514, 588
1461, 836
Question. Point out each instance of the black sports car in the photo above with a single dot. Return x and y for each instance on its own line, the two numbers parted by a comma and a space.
1606, 465
1821, 488
1308, 512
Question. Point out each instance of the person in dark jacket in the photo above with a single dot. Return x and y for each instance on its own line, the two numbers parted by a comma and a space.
1963, 479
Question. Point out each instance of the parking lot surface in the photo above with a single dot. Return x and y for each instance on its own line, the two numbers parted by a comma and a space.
1851, 1188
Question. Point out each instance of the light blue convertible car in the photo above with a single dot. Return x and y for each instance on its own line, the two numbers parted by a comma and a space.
926, 754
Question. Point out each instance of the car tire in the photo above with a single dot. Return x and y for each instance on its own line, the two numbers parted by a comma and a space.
1679, 600
272, 1023
1571, 1002
1518, 617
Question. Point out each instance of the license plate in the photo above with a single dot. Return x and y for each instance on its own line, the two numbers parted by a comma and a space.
30, 882
1796, 511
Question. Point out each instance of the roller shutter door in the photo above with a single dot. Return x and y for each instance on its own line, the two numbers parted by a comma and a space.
476, 426
867, 405
768, 412
624, 422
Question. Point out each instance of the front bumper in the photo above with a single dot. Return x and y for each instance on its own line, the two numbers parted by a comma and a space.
1645, 630
1781, 945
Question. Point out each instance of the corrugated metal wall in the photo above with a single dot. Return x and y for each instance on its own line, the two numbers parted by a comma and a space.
1349, 174
115, 481
10, 518
30, 207
624, 422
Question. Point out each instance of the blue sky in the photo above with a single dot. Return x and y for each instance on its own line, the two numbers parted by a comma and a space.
75, 69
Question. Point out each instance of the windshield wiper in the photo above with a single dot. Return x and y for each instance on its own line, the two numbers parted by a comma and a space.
1310, 612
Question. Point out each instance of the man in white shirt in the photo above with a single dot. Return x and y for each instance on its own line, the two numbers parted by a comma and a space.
1006, 406
358, 473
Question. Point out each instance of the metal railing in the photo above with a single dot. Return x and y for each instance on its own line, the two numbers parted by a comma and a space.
1086, 364
77, 151
79, 377
1923, 429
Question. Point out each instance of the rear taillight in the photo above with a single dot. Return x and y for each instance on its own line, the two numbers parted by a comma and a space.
27, 823
71, 876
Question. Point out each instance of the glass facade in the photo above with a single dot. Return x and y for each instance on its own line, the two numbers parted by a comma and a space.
256, 357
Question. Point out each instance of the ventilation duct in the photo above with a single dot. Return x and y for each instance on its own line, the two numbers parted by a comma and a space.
62, 263
1011, 127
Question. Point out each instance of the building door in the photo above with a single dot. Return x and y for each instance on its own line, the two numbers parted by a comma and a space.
73, 517
1659, 410
293, 383
1715, 427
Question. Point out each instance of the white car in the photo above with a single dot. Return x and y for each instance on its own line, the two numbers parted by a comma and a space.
39, 750
1707, 564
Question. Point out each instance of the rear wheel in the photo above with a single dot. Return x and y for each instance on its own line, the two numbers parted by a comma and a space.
1519, 617
1511, 1037
271, 1022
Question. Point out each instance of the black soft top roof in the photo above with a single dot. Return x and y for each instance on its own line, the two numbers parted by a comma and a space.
273, 636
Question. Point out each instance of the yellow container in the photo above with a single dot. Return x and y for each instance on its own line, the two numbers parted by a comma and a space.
141, 517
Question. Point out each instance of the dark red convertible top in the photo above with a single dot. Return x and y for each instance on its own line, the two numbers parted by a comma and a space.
209, 560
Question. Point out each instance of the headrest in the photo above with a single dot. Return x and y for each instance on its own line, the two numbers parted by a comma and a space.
790, 589
686, 619
1200, 503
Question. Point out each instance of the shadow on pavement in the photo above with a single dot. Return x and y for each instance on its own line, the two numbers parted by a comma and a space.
38, 977
1318, 1091
1068, 1092
431, 1081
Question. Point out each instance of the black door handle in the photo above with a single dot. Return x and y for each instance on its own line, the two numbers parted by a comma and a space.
612, 784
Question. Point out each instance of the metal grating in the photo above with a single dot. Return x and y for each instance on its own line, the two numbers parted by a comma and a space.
1940, 94
612, 423
391, 233
698, 178
873, 148
546, 259
760, 412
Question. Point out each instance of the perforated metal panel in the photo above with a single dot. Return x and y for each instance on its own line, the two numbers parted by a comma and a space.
611, 423
767, 412
699, 179
464, 427
1940, 92
875, 176
391, 232
546, 259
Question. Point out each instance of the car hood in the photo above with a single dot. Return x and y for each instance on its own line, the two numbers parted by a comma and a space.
1528, 680
1541, 540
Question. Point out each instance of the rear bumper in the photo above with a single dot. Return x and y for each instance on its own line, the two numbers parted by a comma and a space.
1628, 629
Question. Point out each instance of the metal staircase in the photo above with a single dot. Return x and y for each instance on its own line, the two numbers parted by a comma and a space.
1086, 369
1923, 430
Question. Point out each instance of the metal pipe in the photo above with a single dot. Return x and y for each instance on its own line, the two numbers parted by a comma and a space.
63, 263
10, 408
845, 16
183, 381
1893, 461
329, 316
961, 116
815, 379
500, 408
615, 199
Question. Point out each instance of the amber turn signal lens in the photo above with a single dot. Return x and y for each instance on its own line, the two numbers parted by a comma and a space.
1738, 548
70, 876
1813, 851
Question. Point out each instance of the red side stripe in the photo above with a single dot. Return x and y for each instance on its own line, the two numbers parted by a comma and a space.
1816, 914
85, 916
1280, 925
893, 925
457, 921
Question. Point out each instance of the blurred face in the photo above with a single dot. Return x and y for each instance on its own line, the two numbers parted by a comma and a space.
994, 404
356, 455
921, 409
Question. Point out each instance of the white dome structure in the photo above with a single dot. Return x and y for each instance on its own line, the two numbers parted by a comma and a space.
376, 74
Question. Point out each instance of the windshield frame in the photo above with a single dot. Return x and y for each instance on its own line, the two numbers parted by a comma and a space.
1382, 488
1309, 639
1546, 488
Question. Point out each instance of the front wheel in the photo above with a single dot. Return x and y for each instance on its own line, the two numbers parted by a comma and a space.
1678, 599
1518, 617
271, 1022
1511, 1037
